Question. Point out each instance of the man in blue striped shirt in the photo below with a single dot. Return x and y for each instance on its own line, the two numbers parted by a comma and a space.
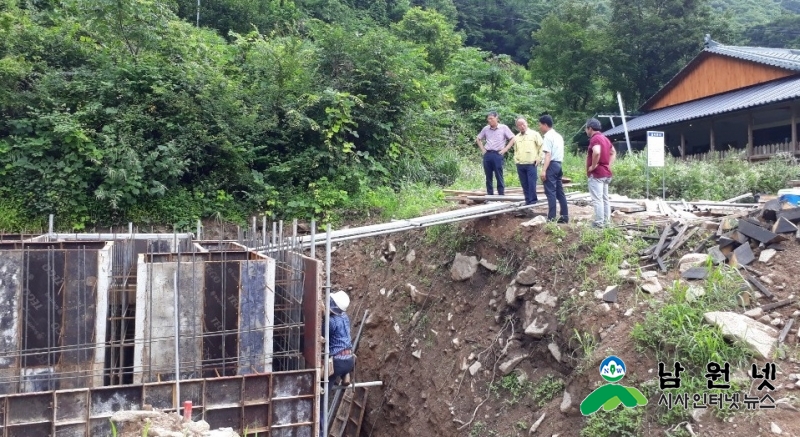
340, 345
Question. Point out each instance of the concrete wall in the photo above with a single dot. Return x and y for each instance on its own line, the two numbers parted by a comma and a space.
10, 295
256, 316
154, 353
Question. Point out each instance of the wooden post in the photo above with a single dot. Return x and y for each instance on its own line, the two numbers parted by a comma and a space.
749, 136
794, 130
711, 147
683, 146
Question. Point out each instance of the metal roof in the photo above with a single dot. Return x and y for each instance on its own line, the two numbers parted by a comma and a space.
757, 95
786, 59
783, 58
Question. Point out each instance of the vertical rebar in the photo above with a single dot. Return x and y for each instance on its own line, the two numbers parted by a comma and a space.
313, 250
177, 349
294, 233
325, 373
280, 234
264, 230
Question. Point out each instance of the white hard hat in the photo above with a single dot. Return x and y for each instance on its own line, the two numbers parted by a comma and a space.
341, 299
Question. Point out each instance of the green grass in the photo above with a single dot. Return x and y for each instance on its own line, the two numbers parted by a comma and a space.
546, 389
587, 344
448, 238
480, 429
621, 422
676, 331
512, 390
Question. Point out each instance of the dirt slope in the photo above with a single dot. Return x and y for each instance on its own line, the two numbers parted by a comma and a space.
423, 348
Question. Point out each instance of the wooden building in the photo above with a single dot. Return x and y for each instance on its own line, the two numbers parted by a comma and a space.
728, 99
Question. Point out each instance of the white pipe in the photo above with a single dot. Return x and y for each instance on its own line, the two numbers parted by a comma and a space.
313, 250
324, 420
360, 384
624, 123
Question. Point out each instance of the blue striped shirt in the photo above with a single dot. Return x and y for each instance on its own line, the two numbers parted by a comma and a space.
339, 334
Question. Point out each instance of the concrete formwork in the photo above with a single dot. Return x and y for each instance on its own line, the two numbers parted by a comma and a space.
273, 404
240, 314
225, 311
52, 318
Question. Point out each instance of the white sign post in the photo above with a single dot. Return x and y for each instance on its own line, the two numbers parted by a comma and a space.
655, 158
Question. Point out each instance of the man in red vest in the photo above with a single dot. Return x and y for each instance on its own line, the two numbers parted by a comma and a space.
600, 155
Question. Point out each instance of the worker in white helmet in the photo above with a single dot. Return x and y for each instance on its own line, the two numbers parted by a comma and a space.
340, 344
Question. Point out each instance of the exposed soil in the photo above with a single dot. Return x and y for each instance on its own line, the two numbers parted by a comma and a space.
434, 395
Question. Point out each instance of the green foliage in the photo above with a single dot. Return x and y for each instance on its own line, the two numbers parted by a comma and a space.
567, 57
677, 332
430, 29
546, 389
689, 179
653, 40
621, 422
774, 33
512, 390
448, 238
480, 429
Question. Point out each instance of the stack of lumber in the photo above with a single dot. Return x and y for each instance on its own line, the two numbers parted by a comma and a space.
513, 194
736, 239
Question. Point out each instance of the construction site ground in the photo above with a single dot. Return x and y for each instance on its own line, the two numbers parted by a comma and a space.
423, 344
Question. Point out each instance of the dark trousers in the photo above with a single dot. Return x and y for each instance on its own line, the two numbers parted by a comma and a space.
527, 177
554, 190
493, 166
341, 367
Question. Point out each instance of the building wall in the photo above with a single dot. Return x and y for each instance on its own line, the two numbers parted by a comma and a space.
716, 74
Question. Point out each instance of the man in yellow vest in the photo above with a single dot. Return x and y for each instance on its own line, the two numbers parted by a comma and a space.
527, 155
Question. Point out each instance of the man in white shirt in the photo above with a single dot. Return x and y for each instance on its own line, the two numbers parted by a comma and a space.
553, 148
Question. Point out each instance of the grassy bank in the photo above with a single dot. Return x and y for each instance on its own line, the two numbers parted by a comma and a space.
421, 190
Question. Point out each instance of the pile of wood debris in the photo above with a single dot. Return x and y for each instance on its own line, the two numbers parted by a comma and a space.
735, 239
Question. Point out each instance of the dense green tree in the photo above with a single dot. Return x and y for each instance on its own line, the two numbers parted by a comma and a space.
502, 26
430, 29
780, 33
653, 40
240, 16
568, 56
445, 7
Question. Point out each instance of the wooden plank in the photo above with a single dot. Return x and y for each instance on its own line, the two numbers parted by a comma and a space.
773, 306
649, 251
627, 208
683, 241
742, 197
763, 289
664, 235
785, 331
757, 232
677, 238
661, 264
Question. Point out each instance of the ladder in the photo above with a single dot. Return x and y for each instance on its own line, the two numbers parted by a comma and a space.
350, 414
